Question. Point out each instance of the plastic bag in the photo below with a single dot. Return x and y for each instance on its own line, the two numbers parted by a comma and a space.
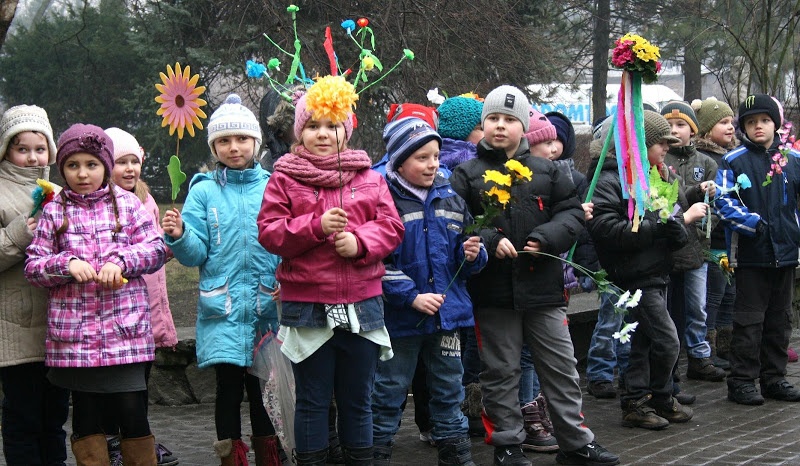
277, 387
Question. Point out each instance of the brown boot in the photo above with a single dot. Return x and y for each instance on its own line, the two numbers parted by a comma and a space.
139, 451
266, 450
537, 438
231, 452
91, 450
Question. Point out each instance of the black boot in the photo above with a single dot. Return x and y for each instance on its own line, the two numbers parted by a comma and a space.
455, 452
362, 456
310, 458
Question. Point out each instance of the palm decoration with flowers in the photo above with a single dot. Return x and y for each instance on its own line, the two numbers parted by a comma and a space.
635, 53
781, 157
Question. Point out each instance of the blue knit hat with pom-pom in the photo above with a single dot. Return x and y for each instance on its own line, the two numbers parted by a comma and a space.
458, 116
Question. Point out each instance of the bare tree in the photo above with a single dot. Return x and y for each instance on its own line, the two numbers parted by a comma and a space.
8, 8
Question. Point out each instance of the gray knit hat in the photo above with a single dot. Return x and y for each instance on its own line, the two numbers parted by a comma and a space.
682, 110
657, 129
23, 118
709, 112
233, 119
510, 101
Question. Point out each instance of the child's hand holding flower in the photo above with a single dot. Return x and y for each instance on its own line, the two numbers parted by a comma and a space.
172, 223
472, 246
334, 221
110, 276
82, 271
532, 247
31, 223
694, 213
346, 244
428, 303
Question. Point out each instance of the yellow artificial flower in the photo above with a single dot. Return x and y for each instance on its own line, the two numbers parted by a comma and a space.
180, 100
331, 97
368, 63
521, 172
497, 178
502, 195
471, 95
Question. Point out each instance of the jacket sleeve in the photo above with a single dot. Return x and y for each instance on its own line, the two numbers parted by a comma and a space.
381, 235
14, 238
45, 266
398, 288
191, 249
730, 208
147, 252
562, 230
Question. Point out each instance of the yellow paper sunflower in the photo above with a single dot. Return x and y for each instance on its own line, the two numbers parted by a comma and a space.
497, 178
521, 172
501, 195
331, 97
180, 100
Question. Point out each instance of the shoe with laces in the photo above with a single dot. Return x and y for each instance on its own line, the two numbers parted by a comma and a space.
673, 411
638, 413
590, 454
745, 394
781, 390
510, 455
164, 456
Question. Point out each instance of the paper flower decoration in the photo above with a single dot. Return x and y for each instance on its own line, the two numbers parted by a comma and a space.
42, 194
332, 97
634, 53
176, 176
180, 100
255, 69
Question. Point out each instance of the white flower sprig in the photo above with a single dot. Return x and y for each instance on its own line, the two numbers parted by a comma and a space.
624, 335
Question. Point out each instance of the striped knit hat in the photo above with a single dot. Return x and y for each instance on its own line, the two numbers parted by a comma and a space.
404, 137
682, 110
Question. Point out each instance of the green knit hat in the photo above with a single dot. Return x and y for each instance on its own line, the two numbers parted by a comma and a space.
709, 112
657, 129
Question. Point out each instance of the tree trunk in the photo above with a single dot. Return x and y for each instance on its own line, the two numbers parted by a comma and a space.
602, 43
692, 77
7, 10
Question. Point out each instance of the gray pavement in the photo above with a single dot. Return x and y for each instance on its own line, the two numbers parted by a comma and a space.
721, 432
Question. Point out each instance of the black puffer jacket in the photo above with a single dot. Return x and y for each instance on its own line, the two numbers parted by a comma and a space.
546, 209
632, 259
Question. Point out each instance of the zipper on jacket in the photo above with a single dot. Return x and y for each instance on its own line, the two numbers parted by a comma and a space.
316, 195
539, 201
353, 193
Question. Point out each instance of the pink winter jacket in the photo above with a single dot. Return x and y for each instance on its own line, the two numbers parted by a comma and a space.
160, 314
290, 225
88, 325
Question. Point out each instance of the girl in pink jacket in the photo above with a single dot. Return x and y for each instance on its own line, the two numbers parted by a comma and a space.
333, 221
93, 243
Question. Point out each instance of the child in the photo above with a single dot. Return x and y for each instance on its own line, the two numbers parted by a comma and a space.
333, 221
96, 240
128, 158
460, 129
715, 137
520, 298
34, 410
687, 288
216, 231
423, 315
762, 240
409, 110
642, 260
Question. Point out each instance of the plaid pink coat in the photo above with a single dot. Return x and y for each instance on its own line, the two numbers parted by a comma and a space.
88, 325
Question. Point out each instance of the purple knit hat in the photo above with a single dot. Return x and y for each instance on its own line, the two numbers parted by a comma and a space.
85, 138
301, 117
539, 129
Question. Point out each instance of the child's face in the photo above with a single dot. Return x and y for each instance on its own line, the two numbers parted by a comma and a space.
28, 149
476, 135
657, 152
681, 130
320, 137
126, 171
545, 150
421, 167
84, 173
760, 129
235, 152
723, 132
503, 131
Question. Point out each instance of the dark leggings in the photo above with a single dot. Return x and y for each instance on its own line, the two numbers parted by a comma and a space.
89, 411
227, 410
110, 425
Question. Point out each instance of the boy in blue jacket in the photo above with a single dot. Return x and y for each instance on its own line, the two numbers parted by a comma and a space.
426, 294
763, 238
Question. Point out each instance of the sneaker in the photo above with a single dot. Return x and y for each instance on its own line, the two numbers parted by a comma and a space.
592, 454
792, 354
637, 413
781, 390
704, 369
602, 389
164, 456
745, 394
426, 437
510, 455
114, 451
673, 411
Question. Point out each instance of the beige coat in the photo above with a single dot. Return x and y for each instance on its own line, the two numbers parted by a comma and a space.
23, 307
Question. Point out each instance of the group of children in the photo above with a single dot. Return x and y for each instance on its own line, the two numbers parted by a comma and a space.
378, 275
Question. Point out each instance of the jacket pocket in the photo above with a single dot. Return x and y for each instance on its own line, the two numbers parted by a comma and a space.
132, 325
18, 301
265, 306
215, 299
65, 325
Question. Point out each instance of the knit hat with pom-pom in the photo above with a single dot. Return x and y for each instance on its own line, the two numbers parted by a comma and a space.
709, 112
539, 129
233, 119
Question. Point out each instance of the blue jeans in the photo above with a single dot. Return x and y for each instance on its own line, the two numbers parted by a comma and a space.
687, 307
529, 387
606, 352
34, 413
719, 298
441, 353
345, 367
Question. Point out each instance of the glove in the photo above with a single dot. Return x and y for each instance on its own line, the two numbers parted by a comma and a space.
675, 232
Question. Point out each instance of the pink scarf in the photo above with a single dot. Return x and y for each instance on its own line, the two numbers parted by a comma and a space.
324, 171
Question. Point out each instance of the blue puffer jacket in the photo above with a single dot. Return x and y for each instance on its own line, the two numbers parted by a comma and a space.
761, 225
237, 274
427, 260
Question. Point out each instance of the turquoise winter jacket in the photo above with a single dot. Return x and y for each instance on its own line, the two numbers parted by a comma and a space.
237, 274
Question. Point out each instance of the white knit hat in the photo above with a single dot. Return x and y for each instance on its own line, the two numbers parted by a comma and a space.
125, 144
233, 119
23, 118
